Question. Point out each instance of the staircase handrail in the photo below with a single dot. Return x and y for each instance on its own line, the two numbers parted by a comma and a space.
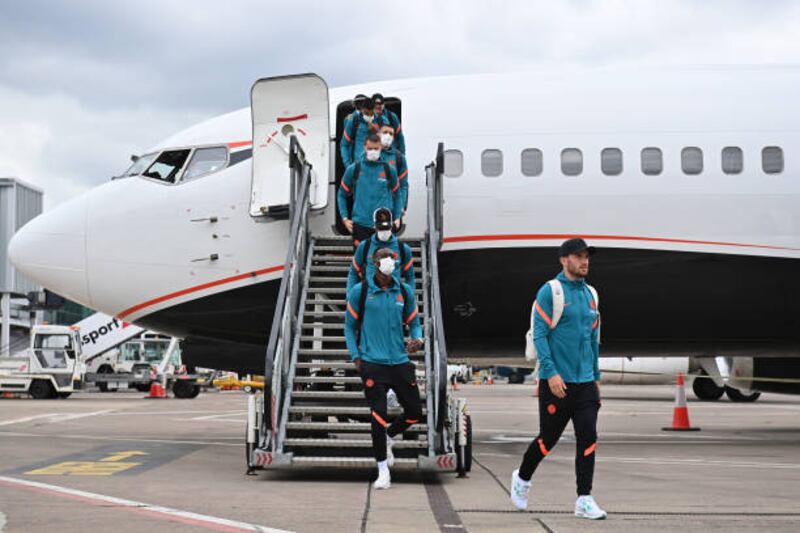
433, 239
281, 335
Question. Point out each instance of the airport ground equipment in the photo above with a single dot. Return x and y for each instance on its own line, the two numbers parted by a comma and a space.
139, 363
50, 368
312, 411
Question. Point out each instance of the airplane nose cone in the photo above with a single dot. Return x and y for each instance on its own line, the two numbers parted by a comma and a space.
51, 250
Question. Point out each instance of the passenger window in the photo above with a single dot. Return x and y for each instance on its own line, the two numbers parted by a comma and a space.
732, 160
531, 162
140, 164
167, 166
692, 160
453, 163
492, 163
571, 161
205, 161
652, 161
611, 161
772, 160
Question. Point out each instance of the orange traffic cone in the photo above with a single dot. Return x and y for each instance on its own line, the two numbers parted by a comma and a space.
680, 416
157, 390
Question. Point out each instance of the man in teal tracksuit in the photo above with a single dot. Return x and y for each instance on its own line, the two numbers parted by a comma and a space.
568, 350
373, 184
357, 126
383, 237
386, 117
378, 309
395, 157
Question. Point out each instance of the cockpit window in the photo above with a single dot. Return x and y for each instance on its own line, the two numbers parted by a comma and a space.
205, 161
140, 164
167, 166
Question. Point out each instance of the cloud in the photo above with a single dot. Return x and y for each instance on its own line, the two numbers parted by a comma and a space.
85, 83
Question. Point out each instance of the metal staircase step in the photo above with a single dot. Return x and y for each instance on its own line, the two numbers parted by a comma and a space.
334, 411
339, 353
352, 443
321, 338
350, 462
340, 279
327, 379
343, 427
335, 395
349, 259
331, 365
323, 325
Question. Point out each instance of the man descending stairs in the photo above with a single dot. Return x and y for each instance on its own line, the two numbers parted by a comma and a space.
329, 420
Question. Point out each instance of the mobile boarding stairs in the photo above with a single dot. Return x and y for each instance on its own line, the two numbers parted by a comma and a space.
312, 411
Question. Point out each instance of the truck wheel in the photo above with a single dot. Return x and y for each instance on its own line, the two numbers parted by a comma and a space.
735, 395
185, 389
105, 369
516, 378
705, 388
142, 387
41, 390
64, 395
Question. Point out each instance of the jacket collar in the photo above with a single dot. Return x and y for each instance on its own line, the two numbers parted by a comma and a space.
564, 279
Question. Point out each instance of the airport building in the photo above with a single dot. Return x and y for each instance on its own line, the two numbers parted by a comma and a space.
19, 203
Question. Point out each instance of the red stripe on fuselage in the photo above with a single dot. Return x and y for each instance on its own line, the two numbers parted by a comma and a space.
564, 236
210, 284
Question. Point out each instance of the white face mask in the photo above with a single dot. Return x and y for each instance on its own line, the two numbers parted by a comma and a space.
384, 235
369, 118
386, 266
373, 155
387, 139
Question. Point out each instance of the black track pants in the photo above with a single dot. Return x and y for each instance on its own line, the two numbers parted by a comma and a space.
360, 234
378, 379
580, 405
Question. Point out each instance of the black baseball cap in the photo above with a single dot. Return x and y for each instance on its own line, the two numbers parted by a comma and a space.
382, 219
377, 98
573, 246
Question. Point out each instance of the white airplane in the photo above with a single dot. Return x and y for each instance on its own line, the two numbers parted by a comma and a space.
687, 180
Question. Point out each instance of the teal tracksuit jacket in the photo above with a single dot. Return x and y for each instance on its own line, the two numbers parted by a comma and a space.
390, 118
572, 348
354, 134
373, 190
382, 334
361, 263
397, 160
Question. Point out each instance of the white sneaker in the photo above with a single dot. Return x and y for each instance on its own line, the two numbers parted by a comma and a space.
391, 399
586, 507
519, 491
384, 480
389, 452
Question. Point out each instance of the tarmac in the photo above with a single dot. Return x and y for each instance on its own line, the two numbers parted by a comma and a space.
97, 462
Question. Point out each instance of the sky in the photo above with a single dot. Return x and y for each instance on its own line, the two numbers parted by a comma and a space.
86, 83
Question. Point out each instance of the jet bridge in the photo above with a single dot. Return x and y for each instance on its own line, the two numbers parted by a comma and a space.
312, 411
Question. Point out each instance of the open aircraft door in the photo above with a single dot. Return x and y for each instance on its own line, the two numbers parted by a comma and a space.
282, 107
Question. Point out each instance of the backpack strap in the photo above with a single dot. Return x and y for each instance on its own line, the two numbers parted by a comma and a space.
387, 169
356, 173
405, 299
356, 124
362, 299
597, 307
364, 258
558, 301
403, 254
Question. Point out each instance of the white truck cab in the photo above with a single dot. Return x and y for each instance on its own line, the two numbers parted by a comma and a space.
50, 368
